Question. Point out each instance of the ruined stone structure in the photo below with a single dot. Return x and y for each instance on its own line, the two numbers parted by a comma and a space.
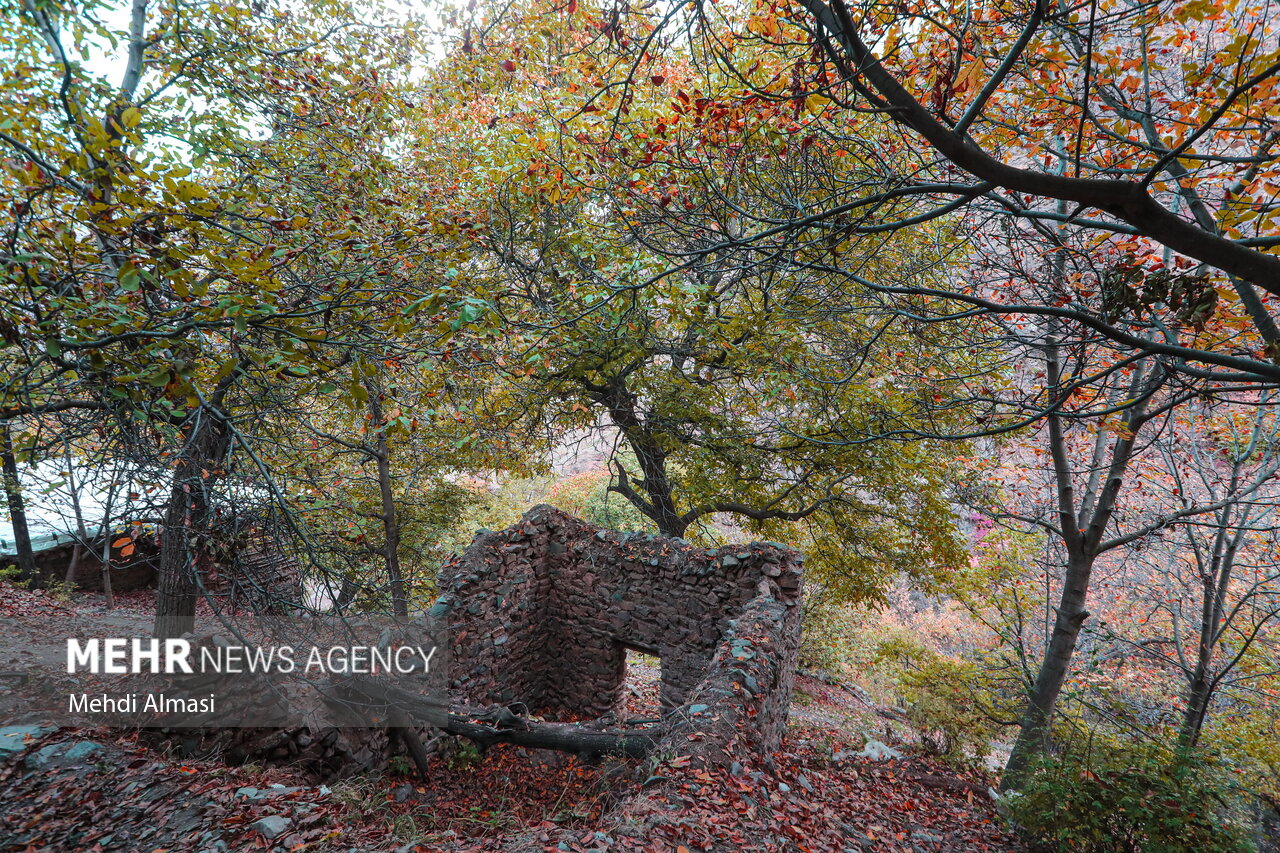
542, 614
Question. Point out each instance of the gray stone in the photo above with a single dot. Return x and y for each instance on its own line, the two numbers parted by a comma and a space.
926, 837
271, 827
15, 739
63, 755
877, 751
258, 794
82, 750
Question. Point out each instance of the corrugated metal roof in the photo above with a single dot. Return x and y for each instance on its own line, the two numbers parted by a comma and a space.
47, 491
140, 494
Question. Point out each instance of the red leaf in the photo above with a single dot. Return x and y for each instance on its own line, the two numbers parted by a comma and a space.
508, 65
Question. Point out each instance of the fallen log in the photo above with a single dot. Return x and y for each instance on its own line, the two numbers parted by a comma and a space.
946, 783
565, 737
487, 726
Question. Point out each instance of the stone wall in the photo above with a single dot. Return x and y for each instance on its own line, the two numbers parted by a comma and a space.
542, 614
738, 711
136, 571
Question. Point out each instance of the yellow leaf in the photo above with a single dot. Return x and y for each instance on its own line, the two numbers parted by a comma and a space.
816, 103
970, 77
189, 191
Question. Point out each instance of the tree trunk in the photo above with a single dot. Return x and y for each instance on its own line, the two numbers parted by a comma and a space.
186, 525
104, 530
565, 737
107, 594
1052, 675
653, 464
390, 523
658, 500
412, 743
17, 506
1198, 693
1216, 582
77, 551
82, 533
1083, 524
346, 595
178, 587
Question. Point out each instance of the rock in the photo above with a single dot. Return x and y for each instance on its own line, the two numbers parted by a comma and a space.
15, 739
186, 819
860, 839
920, 836
877, 751
271, 827
63, 754
210, 841
257, 794
82, 750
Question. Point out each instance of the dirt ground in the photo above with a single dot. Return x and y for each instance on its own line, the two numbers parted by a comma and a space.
98, 790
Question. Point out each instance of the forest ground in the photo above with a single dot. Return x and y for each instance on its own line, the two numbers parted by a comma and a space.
106, 790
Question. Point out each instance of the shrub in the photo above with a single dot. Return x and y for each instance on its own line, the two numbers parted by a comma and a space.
13, 575
946, 700
1128, 799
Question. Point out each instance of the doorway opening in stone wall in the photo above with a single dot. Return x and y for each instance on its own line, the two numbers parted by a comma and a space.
641, 687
